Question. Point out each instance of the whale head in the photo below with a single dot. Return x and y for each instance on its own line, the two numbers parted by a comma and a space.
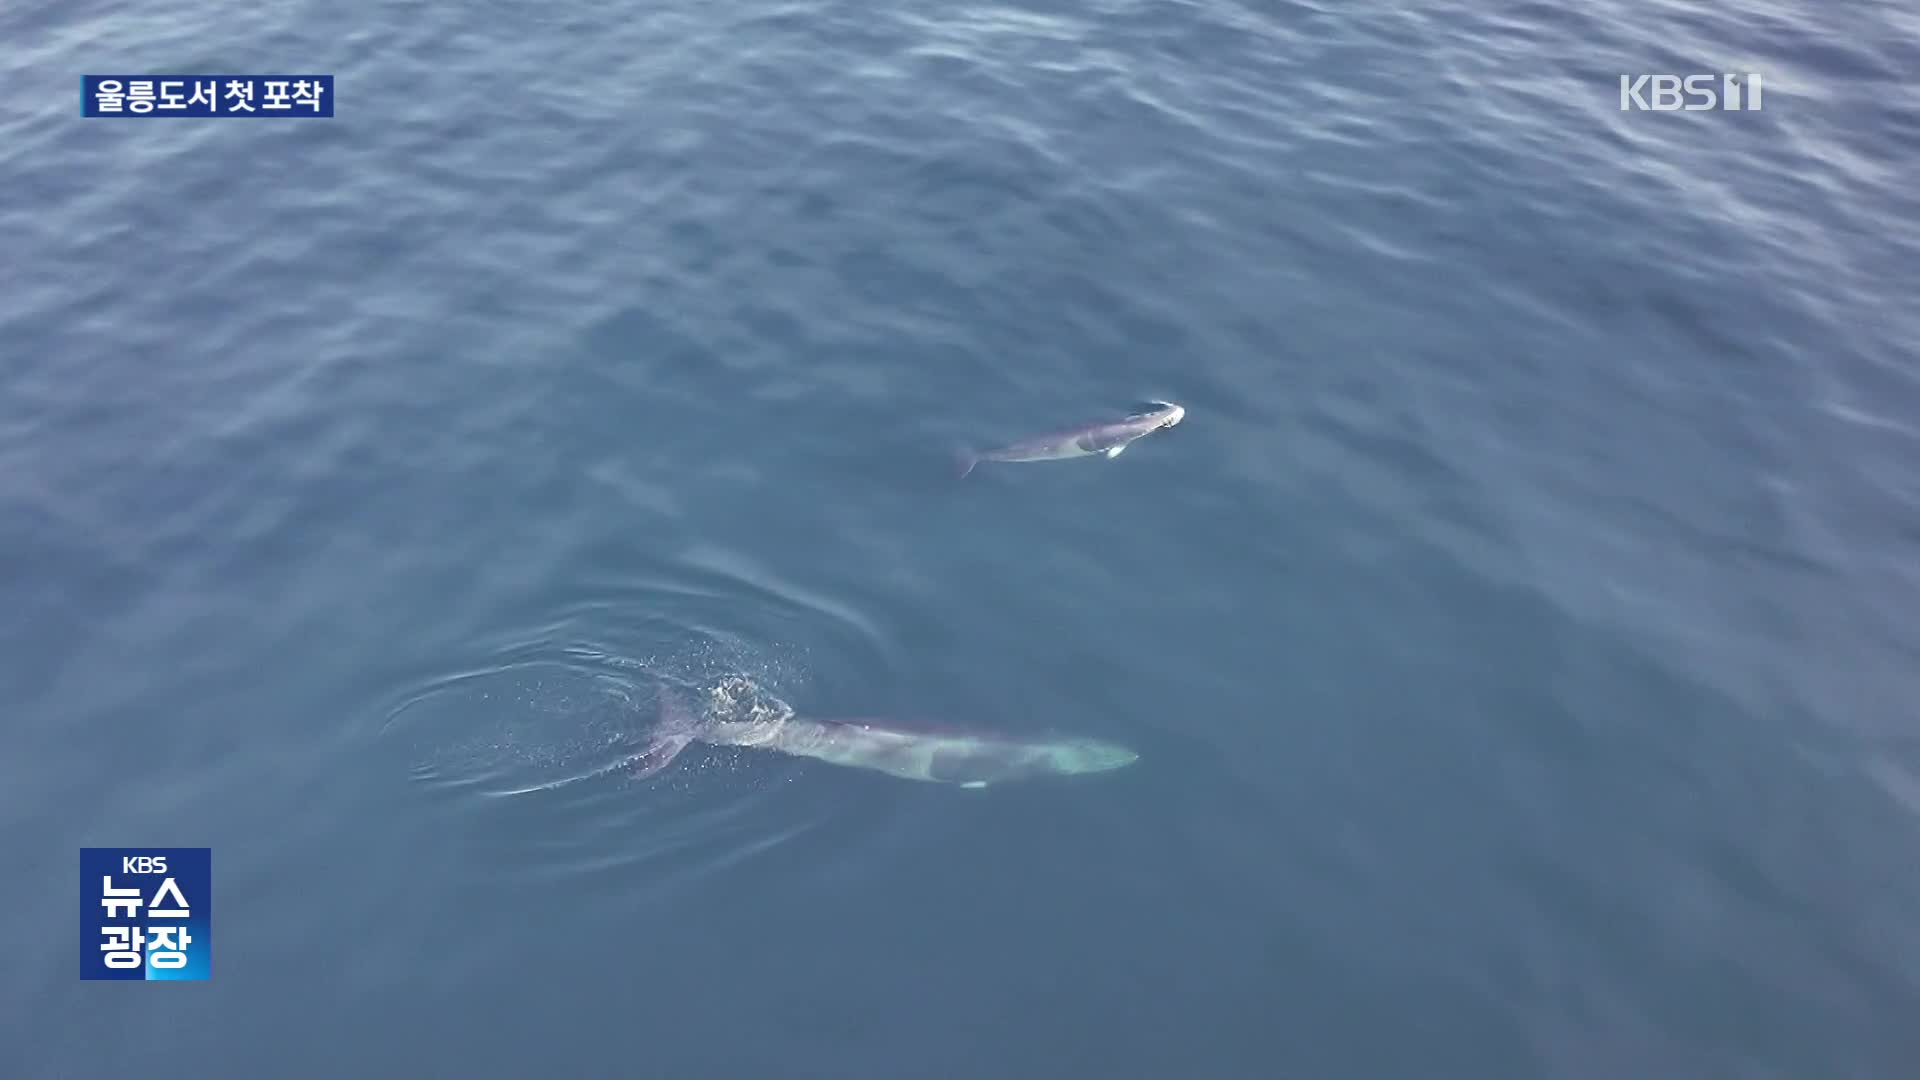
1162, 414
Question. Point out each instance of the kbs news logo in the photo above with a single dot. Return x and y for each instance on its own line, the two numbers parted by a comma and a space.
1690, 93
146, 913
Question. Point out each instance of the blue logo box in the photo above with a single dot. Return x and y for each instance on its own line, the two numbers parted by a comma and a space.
146, 913
206, 95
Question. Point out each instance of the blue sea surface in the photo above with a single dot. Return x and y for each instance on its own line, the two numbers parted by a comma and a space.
1520, 636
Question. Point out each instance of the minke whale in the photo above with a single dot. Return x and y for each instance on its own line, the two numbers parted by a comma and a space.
970, 760
1108, 438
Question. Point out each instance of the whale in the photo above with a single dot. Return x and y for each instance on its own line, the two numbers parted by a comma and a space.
1104, 439
965, 759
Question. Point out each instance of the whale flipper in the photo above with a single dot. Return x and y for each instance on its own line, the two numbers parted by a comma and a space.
1114, 451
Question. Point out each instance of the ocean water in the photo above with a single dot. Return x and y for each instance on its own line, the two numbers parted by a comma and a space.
1519, 636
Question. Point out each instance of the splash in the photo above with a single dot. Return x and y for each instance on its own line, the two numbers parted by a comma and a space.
750, 712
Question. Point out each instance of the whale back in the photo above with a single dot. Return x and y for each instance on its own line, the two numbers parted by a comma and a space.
943, 756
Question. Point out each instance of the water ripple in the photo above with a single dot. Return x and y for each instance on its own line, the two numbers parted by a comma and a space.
548, 717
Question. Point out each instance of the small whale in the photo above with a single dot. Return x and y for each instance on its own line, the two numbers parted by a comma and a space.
1107, 439
969, 760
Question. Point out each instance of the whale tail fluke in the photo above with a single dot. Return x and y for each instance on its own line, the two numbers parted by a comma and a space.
659, 754
963, 462
675, 730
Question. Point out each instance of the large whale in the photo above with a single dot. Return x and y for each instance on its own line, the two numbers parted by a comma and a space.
1107, 438
970, 760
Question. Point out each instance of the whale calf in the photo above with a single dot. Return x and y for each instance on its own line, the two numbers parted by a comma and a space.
970, 760
1107, 438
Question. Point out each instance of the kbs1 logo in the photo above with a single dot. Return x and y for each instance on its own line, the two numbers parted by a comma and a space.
1689, 93
146, 913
